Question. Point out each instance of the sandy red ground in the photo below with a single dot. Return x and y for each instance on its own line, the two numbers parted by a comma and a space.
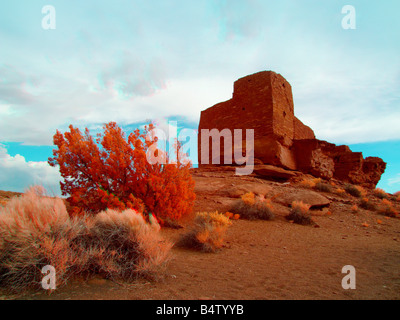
268, 259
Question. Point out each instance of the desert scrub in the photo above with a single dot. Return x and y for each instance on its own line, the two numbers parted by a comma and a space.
121, 245
310, 183
36, 231
324, 187
340, 191
317, 184
387, 209
380, 193
299, 213
207, 232
252, 207
367, 204
355, 191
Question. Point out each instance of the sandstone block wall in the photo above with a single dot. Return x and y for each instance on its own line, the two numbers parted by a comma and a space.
263, 101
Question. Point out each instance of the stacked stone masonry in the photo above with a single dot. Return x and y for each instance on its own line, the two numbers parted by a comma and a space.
263, 101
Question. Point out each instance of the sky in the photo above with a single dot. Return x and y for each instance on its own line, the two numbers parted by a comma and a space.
161, 60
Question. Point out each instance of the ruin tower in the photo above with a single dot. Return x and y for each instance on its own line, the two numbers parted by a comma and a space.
263, 101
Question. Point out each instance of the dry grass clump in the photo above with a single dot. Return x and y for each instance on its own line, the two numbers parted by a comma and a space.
207, 232
36, 231
323, 187
310, 183
252, 207
340, 191
380, 193
120, 245
355, 191
299, 213
367, 204
387, 209
317, 184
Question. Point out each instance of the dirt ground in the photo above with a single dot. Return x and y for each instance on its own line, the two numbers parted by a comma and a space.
268, 259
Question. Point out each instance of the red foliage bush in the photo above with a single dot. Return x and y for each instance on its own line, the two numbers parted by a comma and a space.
113, 172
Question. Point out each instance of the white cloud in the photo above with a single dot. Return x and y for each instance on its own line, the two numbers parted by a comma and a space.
395, 181
17, 174
350, 107
149, 60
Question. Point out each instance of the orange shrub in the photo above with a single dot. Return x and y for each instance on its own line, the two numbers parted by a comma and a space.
317, 184
354, 208
307, 183
367, 204
248, 198
310, 183
387, 208
356, 191
317, 180
300, 213
340, 191
229, 215
113, 172
253, 207
232, 216
301, 207
380, 193
207, 232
